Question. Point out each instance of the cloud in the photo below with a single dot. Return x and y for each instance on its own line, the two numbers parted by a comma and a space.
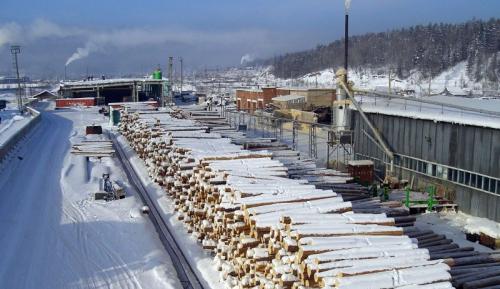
9, 33
223, 46
41, 28
137, 37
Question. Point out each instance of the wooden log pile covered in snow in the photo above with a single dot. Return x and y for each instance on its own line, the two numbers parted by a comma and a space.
265, 229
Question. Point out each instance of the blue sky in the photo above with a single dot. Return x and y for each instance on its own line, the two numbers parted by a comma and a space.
259, 28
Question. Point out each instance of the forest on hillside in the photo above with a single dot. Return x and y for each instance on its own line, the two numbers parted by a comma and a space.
428, 49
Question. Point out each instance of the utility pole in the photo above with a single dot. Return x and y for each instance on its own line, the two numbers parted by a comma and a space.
390, 80
181, 60
170, 78
15, 50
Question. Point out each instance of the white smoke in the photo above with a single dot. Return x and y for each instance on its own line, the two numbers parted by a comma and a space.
246, 59
82, 52
102, 40
9, 33
347, 5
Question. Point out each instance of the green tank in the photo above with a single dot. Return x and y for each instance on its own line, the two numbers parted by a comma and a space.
157, 74
115, 117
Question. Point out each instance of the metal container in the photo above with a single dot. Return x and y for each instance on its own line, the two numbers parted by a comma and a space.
115, 117
69, 102
157, 74
362, 171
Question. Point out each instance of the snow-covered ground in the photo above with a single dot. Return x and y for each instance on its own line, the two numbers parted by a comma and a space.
11, 120
455, 225
54, 235
199, 259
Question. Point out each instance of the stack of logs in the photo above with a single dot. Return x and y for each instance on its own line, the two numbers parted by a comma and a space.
267, 230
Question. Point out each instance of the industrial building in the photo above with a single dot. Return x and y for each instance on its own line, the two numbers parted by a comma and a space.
289, 102
251, 100
107, 91
456, 150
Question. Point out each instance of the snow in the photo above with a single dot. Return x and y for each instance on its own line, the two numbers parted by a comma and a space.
54, 235
442, 113
454, 226
455, 80
473, 224
199, 259
108, 81
11, 123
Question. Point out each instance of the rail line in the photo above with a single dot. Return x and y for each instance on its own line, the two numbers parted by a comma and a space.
185, 272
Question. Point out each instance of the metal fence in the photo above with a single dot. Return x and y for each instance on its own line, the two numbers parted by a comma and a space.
319, 142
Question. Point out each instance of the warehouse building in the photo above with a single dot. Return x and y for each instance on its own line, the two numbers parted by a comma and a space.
115, 90
290, 102
458, 151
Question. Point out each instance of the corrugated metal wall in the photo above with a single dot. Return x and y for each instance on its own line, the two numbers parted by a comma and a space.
471, 148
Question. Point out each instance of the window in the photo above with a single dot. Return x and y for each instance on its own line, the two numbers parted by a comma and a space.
473, 180
467, 178
493, 184
450, 174
461, 177
486, 184
414, 165
441, 172
479, 182
434, 170
422, 167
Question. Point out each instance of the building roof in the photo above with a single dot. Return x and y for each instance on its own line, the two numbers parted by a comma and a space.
108, 82
44, 92
360, 163
288, 97
476, 112
307, 89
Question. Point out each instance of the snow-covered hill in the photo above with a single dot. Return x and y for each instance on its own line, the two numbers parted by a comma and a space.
455, 80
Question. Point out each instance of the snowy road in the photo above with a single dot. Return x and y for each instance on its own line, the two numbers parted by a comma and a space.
55, 236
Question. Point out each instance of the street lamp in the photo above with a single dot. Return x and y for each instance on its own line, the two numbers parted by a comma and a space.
347, 4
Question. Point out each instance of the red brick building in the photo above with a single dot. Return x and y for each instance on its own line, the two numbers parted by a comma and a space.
251, 100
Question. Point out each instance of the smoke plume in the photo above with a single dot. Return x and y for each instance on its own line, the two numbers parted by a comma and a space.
82, 52
246, 59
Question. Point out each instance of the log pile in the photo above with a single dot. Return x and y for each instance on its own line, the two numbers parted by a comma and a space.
300, 167
469, 268
267, 230
88, 148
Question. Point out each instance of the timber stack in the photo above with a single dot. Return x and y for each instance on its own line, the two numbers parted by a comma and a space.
267, 230
302, 167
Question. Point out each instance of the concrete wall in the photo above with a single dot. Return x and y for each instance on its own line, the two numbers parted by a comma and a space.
8, 145
470, 148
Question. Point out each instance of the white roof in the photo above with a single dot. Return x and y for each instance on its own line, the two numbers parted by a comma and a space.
360, 163
443, 113
42, 92
107, 81
288, 97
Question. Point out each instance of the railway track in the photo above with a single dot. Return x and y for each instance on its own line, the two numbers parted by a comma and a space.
185, 272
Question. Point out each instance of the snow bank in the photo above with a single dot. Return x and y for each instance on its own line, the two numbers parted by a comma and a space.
454, 226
